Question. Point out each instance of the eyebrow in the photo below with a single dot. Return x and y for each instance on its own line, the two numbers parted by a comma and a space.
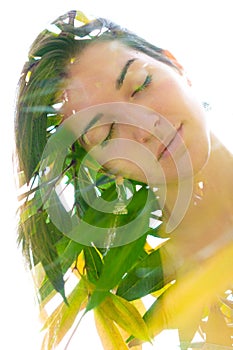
123, 73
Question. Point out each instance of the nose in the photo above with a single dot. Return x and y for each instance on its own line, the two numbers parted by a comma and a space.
147, 131
142, 136
136, 133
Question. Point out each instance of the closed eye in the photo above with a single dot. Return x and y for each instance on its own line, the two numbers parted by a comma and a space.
97, 136
109, 136
146, 83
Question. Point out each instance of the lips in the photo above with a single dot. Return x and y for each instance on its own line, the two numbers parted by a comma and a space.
168, 147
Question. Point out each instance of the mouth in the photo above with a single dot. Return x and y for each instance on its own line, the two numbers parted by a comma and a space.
173, 143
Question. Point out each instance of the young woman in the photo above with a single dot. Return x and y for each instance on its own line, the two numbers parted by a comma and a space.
131, 108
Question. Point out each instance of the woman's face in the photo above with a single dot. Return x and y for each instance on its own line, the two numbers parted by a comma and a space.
160, 114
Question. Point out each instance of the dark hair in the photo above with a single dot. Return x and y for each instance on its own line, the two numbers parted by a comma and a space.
37, 116
41, 82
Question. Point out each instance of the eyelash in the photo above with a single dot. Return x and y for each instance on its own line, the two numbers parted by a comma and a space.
109, 136
82, 141
146, 83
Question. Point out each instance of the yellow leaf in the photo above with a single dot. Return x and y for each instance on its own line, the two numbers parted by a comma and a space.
141, 308
184, 300
216, 329
81, 17
78, 266
126, 316
109, 334
61, 320
46, 301
159, 292
138, 303
125, 335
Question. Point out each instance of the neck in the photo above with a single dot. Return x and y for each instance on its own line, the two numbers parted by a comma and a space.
203, 221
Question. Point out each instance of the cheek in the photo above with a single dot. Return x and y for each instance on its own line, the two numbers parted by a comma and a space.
97, 135
78, 97
171, 97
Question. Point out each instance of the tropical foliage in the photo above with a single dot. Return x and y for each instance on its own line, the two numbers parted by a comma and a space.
109, 279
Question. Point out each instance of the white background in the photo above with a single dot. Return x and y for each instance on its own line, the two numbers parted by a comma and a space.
198, 32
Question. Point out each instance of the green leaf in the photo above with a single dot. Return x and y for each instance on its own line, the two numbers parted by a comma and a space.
143, 279
68, 252
100, 217
54, 119
46, 289
31, 141
30, 207
93, 263
108, 332
58, 213
43, 239
127, 228
126, 316
136, 207
116, 263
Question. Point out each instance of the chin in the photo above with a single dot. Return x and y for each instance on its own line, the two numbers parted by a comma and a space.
187, 166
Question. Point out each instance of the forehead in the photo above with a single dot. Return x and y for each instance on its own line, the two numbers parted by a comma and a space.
93, 74
111, 53
105, 61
